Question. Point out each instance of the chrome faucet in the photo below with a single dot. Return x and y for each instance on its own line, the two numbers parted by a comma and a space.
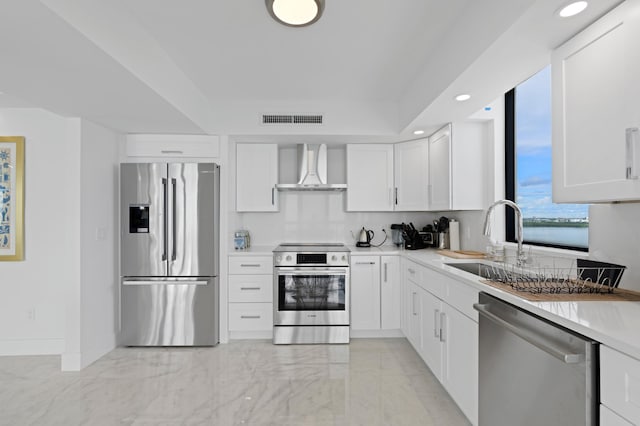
520, 256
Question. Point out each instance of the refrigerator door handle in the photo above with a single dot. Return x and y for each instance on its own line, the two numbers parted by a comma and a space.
173, 219
164, 282
165, 227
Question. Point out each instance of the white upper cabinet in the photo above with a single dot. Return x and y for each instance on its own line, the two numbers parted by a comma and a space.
456, 167
411, 175
172, 146
256, 177
370, 177
596, 110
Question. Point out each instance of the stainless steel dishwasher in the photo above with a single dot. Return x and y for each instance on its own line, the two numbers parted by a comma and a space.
533, 372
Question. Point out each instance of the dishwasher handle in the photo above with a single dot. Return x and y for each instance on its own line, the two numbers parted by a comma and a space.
523, 334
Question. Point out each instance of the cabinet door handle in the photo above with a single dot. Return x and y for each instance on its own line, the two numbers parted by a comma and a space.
436, 326
170, 151
250, 288
632, 137
411, 271
250, 265
430, 194
385, 272
396, 195
250, 316
413, 303
365, 263
273, 196
443, 320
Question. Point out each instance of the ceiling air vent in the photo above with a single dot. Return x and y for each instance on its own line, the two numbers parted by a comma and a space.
291, 119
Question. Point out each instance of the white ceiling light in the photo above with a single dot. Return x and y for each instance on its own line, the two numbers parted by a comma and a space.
572, 9
295, 13
418, 132
463, 97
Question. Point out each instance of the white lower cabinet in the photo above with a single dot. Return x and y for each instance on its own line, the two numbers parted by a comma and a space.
365, 292
390, 292
619, 387
459, 335
445, 336
375, 293
250, 316
250, 296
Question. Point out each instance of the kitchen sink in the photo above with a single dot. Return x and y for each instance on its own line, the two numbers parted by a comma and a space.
483, 270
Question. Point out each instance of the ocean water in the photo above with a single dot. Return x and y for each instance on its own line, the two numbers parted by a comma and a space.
575, 237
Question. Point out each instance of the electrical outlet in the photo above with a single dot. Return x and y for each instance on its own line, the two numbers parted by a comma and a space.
31, 314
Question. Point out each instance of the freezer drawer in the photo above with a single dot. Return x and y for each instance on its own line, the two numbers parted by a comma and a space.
170, 312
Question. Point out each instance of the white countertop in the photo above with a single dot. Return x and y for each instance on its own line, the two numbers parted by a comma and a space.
615, 324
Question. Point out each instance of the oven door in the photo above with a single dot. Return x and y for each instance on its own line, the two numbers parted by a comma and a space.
311, 296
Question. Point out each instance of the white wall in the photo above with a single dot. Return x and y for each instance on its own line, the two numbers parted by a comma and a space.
98, 237
614, 232
32, 291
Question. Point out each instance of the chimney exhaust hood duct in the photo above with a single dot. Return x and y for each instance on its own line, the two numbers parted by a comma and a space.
312, 171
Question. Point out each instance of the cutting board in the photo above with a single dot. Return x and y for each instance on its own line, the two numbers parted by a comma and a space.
462, 254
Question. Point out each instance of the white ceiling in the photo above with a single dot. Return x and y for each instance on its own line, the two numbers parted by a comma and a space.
371, 67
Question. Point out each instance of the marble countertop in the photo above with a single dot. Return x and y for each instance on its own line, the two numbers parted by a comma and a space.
615, 324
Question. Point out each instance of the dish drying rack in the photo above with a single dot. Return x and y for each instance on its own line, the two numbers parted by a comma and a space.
544, 277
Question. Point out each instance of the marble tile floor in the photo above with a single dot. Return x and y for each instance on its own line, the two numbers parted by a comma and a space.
368, 382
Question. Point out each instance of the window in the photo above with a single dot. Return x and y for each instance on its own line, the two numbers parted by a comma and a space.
528, 170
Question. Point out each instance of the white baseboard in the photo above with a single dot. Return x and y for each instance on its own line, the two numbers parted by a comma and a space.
19, 347
359, 334
71, 361
242, 335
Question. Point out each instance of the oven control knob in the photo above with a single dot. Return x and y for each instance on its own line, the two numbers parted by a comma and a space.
289, 258
278, 259
334, 257
344, 258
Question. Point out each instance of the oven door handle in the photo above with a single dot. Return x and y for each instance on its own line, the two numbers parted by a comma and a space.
567, 358
311, 271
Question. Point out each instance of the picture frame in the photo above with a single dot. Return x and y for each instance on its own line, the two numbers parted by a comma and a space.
11, 198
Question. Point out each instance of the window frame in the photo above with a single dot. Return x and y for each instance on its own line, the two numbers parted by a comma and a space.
510, 175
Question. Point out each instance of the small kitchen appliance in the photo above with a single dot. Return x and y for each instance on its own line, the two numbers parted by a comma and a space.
396, 234
311, 302
364, 238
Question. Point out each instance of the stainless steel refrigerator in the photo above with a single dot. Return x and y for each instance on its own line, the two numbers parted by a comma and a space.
169, 248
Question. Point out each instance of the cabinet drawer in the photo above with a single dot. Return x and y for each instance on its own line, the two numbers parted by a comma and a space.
412, 272
433, 282
250, 288
620, 383
609, 418
205, 146
250, 316
250, 265
462, 297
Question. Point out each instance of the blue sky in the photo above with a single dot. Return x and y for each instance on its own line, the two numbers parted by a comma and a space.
533, 140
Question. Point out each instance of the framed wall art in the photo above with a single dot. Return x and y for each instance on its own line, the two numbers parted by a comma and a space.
11, 198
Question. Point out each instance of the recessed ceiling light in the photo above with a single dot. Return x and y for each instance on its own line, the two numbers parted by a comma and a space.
572, 9
418, 132
295, 13
463, 97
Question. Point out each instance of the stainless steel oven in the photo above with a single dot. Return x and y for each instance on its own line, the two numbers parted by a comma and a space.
311, 294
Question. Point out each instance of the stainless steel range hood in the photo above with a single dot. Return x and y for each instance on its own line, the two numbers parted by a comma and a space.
312, 171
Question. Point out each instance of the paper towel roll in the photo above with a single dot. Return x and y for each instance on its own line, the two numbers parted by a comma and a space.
454, 235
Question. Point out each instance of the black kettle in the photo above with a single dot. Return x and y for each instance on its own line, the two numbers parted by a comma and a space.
365, 237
